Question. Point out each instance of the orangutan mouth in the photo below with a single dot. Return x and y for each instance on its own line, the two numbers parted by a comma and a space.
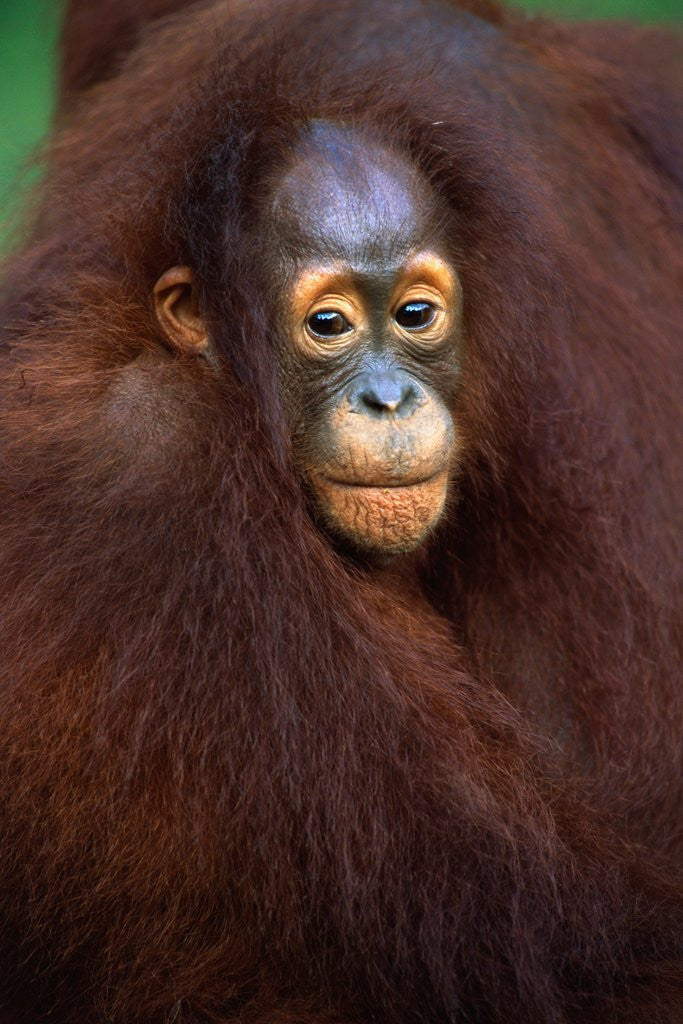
392, 516
389, 485
380, 482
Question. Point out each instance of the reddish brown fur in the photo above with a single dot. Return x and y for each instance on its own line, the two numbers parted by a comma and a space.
243, 779
97, 36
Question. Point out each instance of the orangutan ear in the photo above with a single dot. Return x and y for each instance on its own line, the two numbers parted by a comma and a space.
177, 309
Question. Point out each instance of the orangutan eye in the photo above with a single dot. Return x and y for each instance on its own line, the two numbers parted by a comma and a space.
414, 316
328, 323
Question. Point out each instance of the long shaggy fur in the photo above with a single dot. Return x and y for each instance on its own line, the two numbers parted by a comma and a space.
246, 781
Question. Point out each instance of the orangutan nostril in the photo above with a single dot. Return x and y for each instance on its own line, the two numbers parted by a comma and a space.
386, 393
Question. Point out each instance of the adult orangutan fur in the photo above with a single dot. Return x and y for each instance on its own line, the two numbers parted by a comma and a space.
245, 778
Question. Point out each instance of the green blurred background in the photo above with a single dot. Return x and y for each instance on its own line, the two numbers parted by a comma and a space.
28, 34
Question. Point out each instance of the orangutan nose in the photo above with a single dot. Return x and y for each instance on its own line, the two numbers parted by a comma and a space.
385, 393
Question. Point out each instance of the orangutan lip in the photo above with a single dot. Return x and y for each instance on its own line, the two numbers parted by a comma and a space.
355, 484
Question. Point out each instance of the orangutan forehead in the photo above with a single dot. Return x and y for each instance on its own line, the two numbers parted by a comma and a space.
349, 197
